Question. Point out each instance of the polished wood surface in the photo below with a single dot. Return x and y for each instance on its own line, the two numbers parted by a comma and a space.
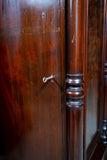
98, 140
85, 49
74, 38
66, 117
94, 70
32, 114
99, 151
75, 79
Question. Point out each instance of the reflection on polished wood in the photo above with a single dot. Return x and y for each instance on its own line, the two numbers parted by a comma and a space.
76, 74
47, 79
32, 114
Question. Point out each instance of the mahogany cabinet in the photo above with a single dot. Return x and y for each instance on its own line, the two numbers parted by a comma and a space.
53, 79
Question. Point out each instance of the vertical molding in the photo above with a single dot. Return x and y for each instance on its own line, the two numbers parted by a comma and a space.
76, 36
85, 47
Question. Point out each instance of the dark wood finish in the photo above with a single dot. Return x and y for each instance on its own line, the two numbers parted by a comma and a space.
105, 88
104, 76
32, 114
85, 49
97, 146
48, 121
102, 99
105, 155
98, 152
94, 145
75, 91
94, 72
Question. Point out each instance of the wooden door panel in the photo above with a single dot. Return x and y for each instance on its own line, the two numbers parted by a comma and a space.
94, 70
32, 116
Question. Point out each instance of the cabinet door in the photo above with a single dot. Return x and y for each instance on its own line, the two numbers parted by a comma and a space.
32, 113
95, 126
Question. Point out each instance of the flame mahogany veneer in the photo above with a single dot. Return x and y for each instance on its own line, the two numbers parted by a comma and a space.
66, 118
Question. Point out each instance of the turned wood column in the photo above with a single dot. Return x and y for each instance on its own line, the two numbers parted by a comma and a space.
76, 36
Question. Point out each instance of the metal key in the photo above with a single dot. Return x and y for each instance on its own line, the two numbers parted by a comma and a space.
45, 79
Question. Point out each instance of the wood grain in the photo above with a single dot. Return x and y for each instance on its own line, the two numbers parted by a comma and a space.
32, 114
